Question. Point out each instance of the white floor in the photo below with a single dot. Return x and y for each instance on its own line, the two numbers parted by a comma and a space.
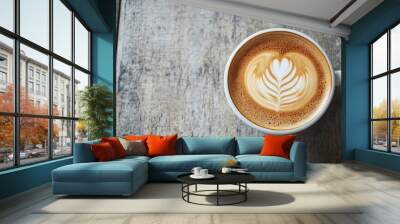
376, 189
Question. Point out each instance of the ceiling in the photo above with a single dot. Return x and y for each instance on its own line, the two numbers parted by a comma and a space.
319, 9
98, 15
328, 16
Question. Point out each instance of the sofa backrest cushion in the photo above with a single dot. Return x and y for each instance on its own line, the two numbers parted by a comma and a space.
206, 145
83, 152
249, 145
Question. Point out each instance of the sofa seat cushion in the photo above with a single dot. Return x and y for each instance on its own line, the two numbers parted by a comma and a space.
133, 158
113, 171
257, 163
185, 163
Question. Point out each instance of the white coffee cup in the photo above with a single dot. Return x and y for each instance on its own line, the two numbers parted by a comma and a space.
226, 170
196, 171
203, 172
237, 103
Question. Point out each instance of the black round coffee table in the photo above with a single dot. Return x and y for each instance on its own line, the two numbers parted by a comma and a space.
238, 179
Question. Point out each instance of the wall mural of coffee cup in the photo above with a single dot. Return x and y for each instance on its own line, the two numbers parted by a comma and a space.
279, 81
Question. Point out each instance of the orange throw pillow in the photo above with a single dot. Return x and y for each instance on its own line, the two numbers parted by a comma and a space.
103, 152
116, 145
161, 145
275, 145
136, 137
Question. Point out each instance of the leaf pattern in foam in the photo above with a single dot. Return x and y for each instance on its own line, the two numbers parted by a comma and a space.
280, 83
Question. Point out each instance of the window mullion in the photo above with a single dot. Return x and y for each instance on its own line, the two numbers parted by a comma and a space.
371, 89
389, 101
73, 81
88, 56
371, 115
50, 81
16, 70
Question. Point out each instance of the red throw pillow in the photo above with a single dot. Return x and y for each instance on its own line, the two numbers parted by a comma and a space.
161, 145
103, 152
116, 145
275, 145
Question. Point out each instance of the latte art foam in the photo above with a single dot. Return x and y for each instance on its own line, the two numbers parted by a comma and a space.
279, 81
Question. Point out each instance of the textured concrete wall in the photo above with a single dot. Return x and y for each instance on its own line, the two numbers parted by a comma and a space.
170, 66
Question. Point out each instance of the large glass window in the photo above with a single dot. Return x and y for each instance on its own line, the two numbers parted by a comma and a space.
385, 91
81, 81
6, 74
7, 14
62, 89
379, 98
40, 62
6, 142
62, 29
42, 122
62, 137
81, 45
33, 140
395, 47
379, 56
35, 21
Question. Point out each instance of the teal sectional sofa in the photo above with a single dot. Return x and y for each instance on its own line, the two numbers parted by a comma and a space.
125, 176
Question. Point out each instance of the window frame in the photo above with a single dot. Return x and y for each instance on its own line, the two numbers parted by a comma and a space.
388, 74
16, 115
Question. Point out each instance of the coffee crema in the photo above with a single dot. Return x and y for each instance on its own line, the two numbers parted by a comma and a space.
280, 81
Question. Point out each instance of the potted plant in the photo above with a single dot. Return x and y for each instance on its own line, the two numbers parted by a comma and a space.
96, 104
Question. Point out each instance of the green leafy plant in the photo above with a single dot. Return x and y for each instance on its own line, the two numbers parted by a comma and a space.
96, 102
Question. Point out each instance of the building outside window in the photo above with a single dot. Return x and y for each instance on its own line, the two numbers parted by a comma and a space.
43, 90
3, 72
30, 87
38, 89
3, 60
55, 97
37, 74
3, 78
30, 72
57, 129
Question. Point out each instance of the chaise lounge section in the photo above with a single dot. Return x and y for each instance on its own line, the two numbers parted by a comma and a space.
88, 177
125, 176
